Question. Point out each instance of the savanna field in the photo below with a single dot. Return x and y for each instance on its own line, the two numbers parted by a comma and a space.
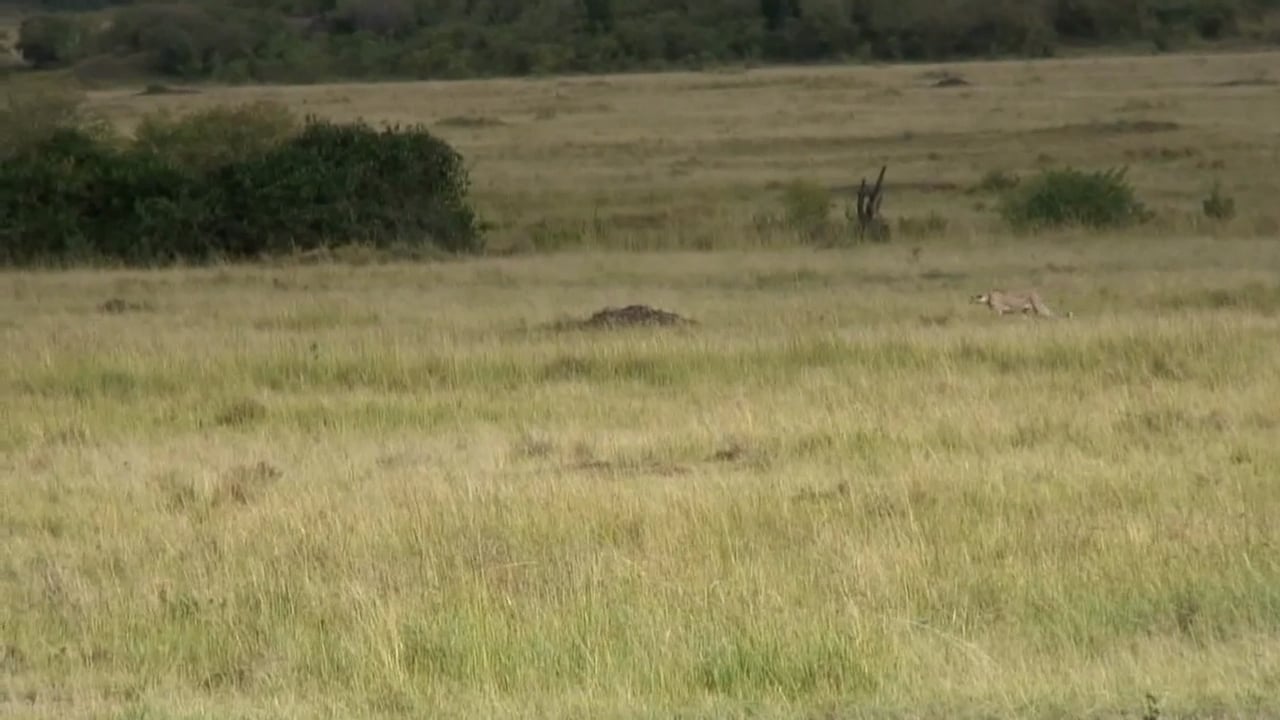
344, 485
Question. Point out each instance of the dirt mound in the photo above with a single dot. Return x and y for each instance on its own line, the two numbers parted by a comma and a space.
951, 81
629, 316
116, 306
166, 90
944, 79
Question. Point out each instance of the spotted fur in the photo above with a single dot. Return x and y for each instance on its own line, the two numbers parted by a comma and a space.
1026, 302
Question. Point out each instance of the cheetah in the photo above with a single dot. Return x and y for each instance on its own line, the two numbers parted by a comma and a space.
1026, 302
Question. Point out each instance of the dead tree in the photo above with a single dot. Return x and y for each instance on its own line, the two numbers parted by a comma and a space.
869, 199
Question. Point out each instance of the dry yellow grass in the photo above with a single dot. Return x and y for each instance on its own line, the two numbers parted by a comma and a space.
688, 159
391, 491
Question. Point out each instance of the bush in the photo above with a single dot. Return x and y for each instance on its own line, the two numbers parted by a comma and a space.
1062, 197
52, 40
344, 183
74, 196
214, 137
1218, 206
806, 207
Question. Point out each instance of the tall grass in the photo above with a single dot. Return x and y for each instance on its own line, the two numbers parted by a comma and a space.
304, 492
334, 489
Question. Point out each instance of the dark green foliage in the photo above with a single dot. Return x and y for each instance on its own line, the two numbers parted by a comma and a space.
73, 197
1070, 197
334, 184
383, 18
302, 40
48, 41
191, 39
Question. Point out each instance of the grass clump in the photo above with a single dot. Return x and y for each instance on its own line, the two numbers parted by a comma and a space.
805, 214
806, 208
1218, 206
1070, 197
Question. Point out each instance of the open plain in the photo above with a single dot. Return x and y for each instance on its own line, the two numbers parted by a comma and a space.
350, 487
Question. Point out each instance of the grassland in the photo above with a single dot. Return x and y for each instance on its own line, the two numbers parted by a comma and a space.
691, 160
390, 490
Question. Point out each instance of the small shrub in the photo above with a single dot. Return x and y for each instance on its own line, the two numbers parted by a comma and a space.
876, 230
1218, 206
806, 206
1070, 197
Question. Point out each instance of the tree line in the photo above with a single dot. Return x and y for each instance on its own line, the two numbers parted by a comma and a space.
307, 40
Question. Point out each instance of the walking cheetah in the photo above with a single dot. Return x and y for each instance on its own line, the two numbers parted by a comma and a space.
1026, 302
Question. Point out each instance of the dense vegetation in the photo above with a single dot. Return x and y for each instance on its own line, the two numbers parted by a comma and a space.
301, 40
227, 183
1071, 197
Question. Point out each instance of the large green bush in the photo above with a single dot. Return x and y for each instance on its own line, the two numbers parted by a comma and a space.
75, 196
339, 183
72, 196
53, 40
1070, 197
